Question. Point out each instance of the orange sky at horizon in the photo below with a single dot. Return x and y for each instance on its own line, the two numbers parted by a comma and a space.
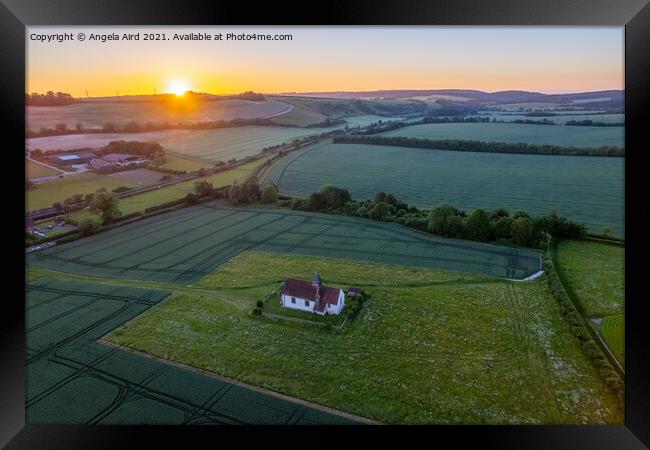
542, 59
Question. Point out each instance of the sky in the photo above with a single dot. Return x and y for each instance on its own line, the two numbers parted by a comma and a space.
542, 59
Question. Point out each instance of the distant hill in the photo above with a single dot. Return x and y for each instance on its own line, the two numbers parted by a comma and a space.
606, 99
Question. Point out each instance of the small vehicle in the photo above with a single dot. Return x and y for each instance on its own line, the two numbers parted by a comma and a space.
49, 227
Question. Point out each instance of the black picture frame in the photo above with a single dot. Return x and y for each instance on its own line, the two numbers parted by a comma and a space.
633, 14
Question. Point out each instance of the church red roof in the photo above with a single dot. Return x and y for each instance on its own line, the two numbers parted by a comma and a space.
321, 295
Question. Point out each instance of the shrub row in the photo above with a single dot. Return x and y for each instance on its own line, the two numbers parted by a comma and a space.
579, 329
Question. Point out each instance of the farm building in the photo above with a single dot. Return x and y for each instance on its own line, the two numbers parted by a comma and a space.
99, 163
312, 296
70, 159
121, 158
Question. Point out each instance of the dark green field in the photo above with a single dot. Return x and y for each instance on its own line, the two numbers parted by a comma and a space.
185, 245
585, 189
71, 378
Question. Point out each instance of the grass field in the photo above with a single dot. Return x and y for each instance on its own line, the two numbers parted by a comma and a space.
514, 132
185, 245
433, 347
140, 202
71, 378
613, 331
36, 170
140, 177
179, 162
44, 194
594, 271
588, 190
97, 114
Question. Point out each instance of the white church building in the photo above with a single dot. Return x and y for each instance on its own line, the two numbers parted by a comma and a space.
312, 296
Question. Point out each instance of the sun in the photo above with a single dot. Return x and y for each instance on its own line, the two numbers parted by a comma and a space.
178, 87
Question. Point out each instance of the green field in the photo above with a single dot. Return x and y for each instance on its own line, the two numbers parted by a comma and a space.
44, 194
187, 244
36, 170
176, 191
559, 119
71, 378
97, 114
613, 331
594, 271
433, 346
226, 143
587, 190
513, 132
179, 162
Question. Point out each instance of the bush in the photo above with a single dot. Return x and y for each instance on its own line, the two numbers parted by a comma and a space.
121, 189
260, 304
269, 194
89, 227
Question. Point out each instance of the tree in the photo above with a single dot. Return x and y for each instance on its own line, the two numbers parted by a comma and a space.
203, 188
270, 194
607, 230
233, 193
456, 227
316, 201
244, 193
334, 197
379, 211
106, 203
379, 197
89, 226
502, 228
522, 231
254, 191
519, 214
477, 226
439, 219
191, 199
36, 154
499, 213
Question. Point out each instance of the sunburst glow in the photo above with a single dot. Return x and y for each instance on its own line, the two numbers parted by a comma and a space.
178, 87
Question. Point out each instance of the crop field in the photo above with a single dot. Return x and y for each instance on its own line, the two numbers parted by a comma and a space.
588, 190
44, 194
560, 119
514, 132
36, 170
185, 245
612, 329
97, 114
209, 145
432, 347
594, 271
72, 378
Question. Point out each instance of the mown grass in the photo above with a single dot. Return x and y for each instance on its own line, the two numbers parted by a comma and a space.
44, 194
613, 331
594, 272
435, 346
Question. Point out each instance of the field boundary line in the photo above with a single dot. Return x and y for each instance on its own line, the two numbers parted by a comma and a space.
590, 328
327, 409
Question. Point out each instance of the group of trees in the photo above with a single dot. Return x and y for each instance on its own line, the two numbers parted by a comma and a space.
49, 99
446, 220
252, 96
591, 123
149, 150
481, 146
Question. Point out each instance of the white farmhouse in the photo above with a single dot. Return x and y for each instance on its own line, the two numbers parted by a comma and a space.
312, 297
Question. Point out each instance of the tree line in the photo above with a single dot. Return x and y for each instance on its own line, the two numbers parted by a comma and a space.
481, 146
498, 226
49, 99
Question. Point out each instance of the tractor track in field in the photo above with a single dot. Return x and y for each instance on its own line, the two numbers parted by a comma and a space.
535, 362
